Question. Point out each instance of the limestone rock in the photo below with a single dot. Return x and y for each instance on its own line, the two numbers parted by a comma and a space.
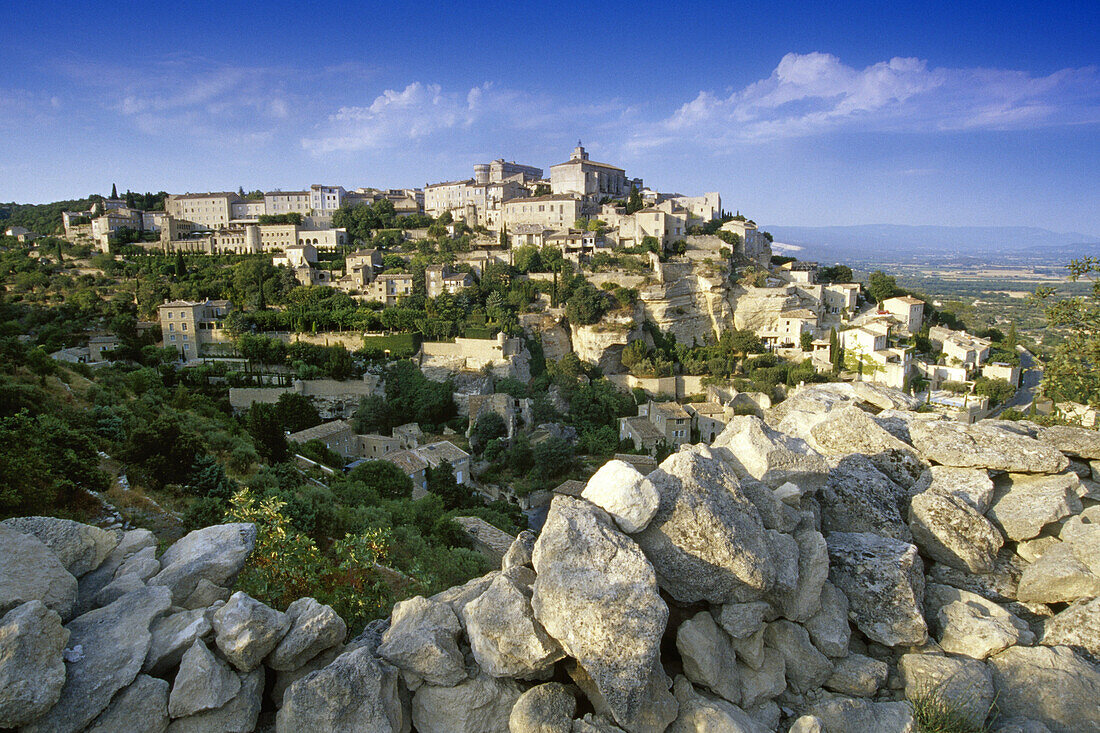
708, 657
857, 676
111, 644
32, 671
765, 682
706, 541
807, 724
478, 705
1066, 572
205, 595
806, 667
458, 596
1048, 684
313, 629
132, 542
141, 707
587, 569
1078, 626
952, 443
828, 628
172, 636
701, 713
423, 639
1024, 504
840, 713
283, 680
968, 624
81, 548
620, 490
1019, 725
547, 708
116, 589
849, 430
246, 630
965, 684
972, 485
505, 638
143, 564
203, 682
595, 724
951, 531
750, 650
883, 580
767, 455
1000, 585
1073, 441
215, 554
30, 571
356, 693
804, 599
742, 620
858, 497
519, 554
239, 715
1031, 550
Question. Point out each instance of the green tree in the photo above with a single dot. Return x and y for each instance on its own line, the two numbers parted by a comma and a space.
488, 425
114, 191
881, 286
296, 412
1073, 370
372, 416
262, 423
806, 341
634, 202
383, 477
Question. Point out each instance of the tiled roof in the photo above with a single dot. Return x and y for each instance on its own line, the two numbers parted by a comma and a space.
643, 428
444, 450
407, 461
319, 432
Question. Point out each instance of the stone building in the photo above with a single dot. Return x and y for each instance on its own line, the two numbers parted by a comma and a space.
188, 325
590, 180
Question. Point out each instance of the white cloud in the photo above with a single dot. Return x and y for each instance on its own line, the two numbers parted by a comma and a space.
812, 93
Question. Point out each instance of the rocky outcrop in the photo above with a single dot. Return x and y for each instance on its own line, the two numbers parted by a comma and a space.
32, 572
32, 671
79, 547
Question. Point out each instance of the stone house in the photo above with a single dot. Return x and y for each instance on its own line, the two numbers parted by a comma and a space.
188, 325
709, 419
337, 436
909, 311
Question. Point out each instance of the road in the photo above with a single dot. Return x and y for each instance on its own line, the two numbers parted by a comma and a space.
1029, 382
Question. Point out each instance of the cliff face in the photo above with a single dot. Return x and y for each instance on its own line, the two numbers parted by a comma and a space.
693, 307
603, 343
815, 570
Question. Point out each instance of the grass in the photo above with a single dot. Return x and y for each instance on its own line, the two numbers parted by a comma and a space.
934, 712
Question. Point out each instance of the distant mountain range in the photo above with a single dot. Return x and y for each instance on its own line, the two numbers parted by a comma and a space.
894, 242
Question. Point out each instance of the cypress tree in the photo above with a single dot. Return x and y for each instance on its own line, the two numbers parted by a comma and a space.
114, 191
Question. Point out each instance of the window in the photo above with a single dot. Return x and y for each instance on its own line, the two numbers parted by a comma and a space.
171, 327
172, 337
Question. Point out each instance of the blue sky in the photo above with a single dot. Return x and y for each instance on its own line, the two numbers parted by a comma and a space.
828, 113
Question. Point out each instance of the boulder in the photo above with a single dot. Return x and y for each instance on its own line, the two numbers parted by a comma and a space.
32, 671
701, 713
246, 630
803, 600
203, 682
141, 706
31, 572
951, 443
505, 638
807, 724
1000, 585
849, 430
116, 589
205, 594
423, 639
1065, 572
971, 485
81, 548
757, 450
1049, 684
953, 532
708, 657
481, 704
215, 554
356, 693
858, 497
108, 647
1078, 626
750, 650
1024, 504
172, 636
588, 570
547, 708
239, 715
620, 490
806, 667
967, 624
742, 620
132, 542
595, 724
458, 596
883, 580
707, 541
283, 680
857, 676
143, 564
828, 628
764, 682
840, 713
313, 629
1019, 725
1073, 441
963, 684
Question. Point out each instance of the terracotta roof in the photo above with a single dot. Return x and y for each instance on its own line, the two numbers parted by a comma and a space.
643, 428
407, 461
672, 409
